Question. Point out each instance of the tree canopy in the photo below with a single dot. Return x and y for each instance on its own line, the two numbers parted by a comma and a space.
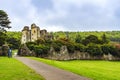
4, 21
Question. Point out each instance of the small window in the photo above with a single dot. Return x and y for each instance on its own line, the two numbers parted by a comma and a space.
34, 31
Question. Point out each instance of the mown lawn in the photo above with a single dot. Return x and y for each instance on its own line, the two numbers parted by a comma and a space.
12, 69
96, 70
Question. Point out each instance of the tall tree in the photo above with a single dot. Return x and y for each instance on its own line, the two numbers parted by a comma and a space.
4, 21
104, 39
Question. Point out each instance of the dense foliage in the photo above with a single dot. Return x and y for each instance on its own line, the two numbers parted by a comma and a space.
90, 44
110, 35
97, 42
11, 38
3, 37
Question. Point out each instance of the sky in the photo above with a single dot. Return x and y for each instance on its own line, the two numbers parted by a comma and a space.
63, 15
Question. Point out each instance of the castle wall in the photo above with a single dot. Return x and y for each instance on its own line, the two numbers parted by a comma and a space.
34, 34
38, 32
43, 33
25, 36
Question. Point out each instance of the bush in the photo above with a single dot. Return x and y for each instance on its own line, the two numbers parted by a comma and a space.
70, 47
94, 50
40, 41
80, 47
31, 45
56, 46
78, 39
113, 51
106, 49
41, 50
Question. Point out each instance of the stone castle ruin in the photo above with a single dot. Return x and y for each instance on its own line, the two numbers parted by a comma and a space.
33, 34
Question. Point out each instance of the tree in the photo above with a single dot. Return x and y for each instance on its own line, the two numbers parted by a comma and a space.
4, 21
3, 38
104, 39
78, 39
13, 43
94, 49
90, 39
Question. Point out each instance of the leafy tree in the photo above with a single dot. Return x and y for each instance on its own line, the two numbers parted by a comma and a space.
13, 43
104, 39
105, 48
114, 51
56, 45
80, 47
4, 21
70, 47
94, 50
78, 39
90, 39
40, 41
3, 37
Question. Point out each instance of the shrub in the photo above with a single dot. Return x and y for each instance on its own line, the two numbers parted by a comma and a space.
80, 47
40, 41
56, 47
105, 48
41, 50
94, 50
78, 39
70, 47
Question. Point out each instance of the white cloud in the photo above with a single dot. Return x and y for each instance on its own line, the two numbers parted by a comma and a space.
63, 14
55, 28
21, 12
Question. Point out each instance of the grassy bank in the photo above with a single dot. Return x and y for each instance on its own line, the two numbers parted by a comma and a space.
96, 70
12, 69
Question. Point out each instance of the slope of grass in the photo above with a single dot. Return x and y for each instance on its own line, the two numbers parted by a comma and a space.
96, 70
12, 69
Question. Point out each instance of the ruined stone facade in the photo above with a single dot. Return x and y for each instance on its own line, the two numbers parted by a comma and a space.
33, 34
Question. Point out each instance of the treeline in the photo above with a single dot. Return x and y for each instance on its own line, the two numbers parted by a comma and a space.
14, 38
90, 44
111, 35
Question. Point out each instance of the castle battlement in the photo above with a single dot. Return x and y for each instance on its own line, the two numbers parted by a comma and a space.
33, 34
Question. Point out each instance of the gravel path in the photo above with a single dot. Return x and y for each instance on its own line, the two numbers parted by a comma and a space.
50, 72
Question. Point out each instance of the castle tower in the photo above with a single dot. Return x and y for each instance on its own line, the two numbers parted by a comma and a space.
43, 33
35, 32
25, 35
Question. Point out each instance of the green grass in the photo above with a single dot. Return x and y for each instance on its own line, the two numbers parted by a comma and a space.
12, 69
96, 70
14, 51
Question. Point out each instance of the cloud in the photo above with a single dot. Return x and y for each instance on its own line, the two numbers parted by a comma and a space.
20, 12
72, 15
85, 14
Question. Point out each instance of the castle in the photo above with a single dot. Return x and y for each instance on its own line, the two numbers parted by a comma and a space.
33, 34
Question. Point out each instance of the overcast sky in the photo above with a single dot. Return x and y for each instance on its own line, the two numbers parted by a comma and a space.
64, 15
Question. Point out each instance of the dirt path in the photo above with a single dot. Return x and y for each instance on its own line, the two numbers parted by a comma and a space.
49, 72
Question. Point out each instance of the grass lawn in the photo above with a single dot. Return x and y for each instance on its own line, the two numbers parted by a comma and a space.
96, 70
12, 69
14, 51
